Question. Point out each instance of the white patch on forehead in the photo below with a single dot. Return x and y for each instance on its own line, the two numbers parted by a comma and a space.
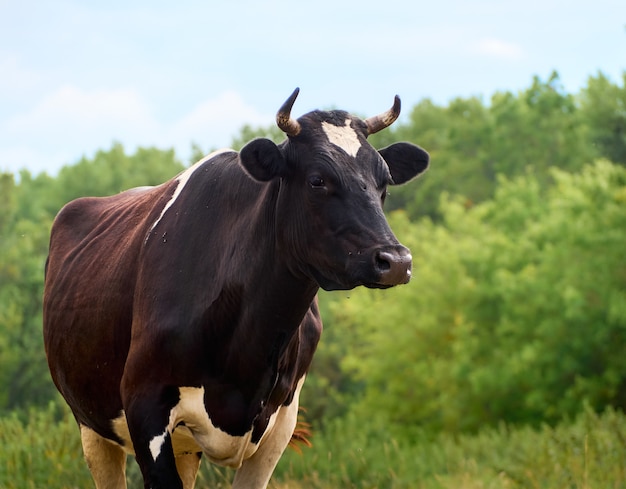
182, 180
344, 137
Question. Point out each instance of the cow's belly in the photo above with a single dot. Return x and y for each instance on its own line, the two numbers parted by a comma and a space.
198, 433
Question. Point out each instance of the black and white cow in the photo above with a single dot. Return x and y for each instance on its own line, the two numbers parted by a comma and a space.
181, 319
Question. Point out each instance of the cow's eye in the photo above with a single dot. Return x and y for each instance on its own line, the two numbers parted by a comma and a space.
316, 181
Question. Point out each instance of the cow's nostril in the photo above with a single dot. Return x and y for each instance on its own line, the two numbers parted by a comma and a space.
383, 261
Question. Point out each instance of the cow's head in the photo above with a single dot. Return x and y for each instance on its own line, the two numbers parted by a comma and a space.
332, 188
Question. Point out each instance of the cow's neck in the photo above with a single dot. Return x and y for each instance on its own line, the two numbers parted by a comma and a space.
261, 305
249, 290
274, 300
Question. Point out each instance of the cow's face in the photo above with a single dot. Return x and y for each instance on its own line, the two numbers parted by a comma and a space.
329, 222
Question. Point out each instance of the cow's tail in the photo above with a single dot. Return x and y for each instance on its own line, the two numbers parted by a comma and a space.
301, 434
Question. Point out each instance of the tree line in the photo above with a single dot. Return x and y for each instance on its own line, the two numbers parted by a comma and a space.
517, 309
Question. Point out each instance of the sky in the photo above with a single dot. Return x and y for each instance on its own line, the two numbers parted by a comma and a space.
78, 76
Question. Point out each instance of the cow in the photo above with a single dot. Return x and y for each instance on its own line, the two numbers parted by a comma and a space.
180, 320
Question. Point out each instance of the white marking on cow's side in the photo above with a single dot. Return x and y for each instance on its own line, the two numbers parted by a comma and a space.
191, 430
217, 445
197, 434
344, 137
182, 180
156, 444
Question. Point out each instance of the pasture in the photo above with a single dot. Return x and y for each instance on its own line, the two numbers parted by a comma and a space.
43, 450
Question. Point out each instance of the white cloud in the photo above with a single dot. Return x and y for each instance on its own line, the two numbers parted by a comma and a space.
36, 160
497, 48
71, 122
70, 114
214, 122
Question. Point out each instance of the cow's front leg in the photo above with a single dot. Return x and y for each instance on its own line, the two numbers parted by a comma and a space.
151, 434
255, 472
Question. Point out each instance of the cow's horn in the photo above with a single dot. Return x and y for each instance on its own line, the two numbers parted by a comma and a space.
289, 126
379, 122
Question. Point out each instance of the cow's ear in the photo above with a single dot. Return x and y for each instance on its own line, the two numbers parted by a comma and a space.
405, 161
262, 159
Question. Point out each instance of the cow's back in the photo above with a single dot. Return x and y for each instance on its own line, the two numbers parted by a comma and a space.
90, 278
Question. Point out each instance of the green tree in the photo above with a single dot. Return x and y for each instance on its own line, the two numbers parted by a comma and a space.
470, 143
516, 311
541, 128
604, 109
458, 139
110, 172
23, 243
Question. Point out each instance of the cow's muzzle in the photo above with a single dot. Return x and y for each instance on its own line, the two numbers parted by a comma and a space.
393, 265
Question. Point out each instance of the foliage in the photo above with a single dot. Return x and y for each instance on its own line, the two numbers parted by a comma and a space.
112, 171
23, 245
517, 310
43, 451
589, 451
603, 106
471, 143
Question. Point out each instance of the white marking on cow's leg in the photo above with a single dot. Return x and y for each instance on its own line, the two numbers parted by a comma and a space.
182, 180
157, 443
255, 472
343, 136
187, 465
106, 460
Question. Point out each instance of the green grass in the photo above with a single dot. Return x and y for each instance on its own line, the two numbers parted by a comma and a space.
41, 449
589, 452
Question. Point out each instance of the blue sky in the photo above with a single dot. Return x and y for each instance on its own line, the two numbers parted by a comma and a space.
75, 76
